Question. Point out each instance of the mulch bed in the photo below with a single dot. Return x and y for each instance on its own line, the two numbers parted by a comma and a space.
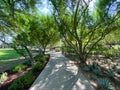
94, 83
102, 65
12, 77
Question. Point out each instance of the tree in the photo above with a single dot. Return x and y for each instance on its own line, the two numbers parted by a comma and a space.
79, 28
22, 41
43, 31
14, 21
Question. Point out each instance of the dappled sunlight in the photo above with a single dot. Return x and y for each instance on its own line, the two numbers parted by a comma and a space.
72, 68
61, 74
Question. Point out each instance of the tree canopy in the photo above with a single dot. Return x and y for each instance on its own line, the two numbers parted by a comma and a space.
79, 28
72, 21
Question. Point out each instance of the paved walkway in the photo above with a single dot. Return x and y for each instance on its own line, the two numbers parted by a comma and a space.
61, 74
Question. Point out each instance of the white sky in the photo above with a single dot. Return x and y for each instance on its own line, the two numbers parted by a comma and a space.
44, 8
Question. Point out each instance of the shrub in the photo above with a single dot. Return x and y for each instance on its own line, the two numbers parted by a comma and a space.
97, 72
29, 78
18, 84
110, 73
93, 66
86, 68
94, 77
57, 49
19, 68
37, 67
3, 77
105, 84
23, 82
37, 57
40, 58
47, 56
27, 63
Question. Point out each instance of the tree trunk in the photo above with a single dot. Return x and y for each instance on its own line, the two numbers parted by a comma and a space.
40, 51
82, 58
30, 55
44, 50
17, 50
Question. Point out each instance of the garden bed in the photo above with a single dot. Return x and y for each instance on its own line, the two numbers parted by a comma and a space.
22, 76
101, 75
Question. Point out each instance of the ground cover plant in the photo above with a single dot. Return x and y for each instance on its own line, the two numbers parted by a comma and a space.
23, 75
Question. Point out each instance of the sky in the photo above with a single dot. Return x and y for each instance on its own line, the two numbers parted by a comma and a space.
44, 7
7, 39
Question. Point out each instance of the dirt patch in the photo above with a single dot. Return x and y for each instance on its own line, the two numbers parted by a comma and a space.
12, 77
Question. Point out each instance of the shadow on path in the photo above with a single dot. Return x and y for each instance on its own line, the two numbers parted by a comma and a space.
61, 74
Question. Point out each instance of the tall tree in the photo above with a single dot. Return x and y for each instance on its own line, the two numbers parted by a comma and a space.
14, 20
79, 28
43, 31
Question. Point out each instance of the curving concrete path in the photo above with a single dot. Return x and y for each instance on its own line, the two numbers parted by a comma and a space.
61, 74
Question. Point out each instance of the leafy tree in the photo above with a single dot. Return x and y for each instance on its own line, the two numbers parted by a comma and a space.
22, 41
79, 28
14, 21
42, 31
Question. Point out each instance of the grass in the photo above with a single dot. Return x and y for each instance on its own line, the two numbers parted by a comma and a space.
6, 54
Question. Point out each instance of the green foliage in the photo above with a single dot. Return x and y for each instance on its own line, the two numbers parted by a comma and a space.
22, 52
105, 84
29, 78
37, 67
97, 71
94, 68
57, 49
107, 50
86, 68
47, 56
43, 31
94, 77
19, 68
3, 77
26, 63
40, 58
79, 28
102, 7
68, 50
23, 82
110, 73
18, 84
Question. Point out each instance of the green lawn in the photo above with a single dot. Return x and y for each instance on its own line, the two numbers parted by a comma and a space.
6, 54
